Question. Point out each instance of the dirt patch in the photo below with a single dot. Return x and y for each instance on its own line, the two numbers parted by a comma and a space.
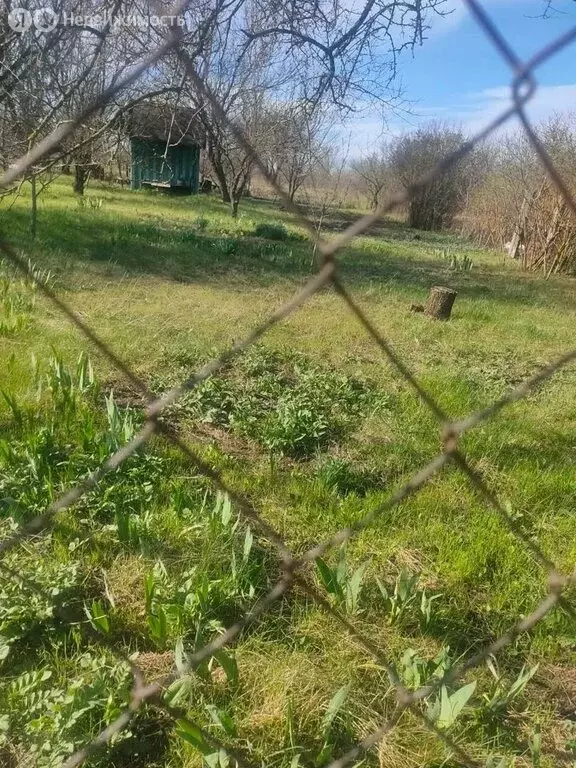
560, 682
125, 395
155, 665
227, 442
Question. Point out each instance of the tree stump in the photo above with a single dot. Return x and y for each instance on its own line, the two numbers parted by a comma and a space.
440, 301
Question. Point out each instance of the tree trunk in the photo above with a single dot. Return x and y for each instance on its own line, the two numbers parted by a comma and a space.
440, 301
220, 174
238, 188
552, 236
33, 209
80, 178
246, 191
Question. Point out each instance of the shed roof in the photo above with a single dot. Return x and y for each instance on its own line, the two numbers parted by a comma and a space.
164, 122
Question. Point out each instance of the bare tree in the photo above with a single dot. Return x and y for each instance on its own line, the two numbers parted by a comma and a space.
321, 52
293, 142
374, 172
412, 155
240, 83
345, 52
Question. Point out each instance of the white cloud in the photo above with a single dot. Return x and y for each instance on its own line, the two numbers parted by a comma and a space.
477, 110
473, 111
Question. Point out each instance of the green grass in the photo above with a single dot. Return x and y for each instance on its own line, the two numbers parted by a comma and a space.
317, 429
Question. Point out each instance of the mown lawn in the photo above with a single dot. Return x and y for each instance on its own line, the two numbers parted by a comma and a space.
317, 430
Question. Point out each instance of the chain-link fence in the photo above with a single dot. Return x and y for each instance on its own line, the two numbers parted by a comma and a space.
522, 89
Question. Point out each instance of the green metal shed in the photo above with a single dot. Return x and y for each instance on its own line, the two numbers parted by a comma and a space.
153, 164
165, 143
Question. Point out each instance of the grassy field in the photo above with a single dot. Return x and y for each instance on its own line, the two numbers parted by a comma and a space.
317, 430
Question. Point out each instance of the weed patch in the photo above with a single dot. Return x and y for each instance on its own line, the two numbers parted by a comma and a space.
16, 305
343, 477
18, 298
61, 691
287, 404
49, 712
271, 231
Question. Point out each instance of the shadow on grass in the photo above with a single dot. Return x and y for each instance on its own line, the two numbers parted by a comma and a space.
183, 251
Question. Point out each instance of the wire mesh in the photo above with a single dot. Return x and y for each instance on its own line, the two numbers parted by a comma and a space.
523, 86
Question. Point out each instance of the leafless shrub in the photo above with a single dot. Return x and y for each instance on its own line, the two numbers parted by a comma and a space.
434, 205
517, 207
375, 174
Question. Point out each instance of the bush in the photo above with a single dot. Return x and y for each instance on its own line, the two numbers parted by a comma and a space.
283, 401
434, 205
272, 231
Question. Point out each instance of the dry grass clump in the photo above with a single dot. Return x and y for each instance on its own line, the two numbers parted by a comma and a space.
125, 582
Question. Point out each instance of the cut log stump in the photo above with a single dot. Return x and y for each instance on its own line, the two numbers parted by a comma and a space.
440, 302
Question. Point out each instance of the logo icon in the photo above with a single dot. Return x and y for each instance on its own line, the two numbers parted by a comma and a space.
19, 19
45, 19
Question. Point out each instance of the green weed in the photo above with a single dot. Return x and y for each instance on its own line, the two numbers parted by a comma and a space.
456, 263
344, 585
63, 710
201, 223
92, 203
271, 231
343, 477
17, 302
284, 402
415, 671
447, 707
497, 702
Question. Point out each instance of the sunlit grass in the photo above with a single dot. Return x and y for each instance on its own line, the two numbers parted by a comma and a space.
170, 281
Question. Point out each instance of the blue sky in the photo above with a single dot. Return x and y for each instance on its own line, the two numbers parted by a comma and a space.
457, 75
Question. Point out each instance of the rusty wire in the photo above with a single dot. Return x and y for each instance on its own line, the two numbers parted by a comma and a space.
523, 88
